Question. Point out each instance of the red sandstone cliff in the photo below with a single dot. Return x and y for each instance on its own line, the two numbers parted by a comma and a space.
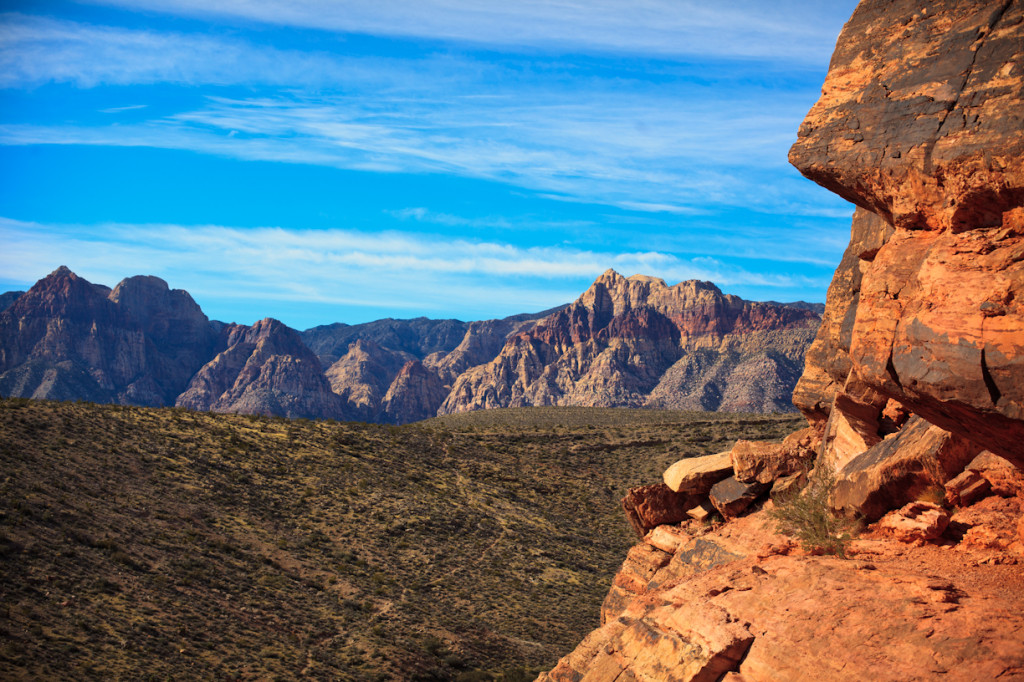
913, 388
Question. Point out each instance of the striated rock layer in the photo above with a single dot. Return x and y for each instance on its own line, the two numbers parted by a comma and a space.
263, 369
921, 123
637, 342
913, 388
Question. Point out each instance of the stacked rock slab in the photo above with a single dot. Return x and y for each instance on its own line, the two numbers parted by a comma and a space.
920, 124
916, 375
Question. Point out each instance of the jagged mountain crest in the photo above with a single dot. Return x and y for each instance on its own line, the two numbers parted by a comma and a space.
626, 341
622, 337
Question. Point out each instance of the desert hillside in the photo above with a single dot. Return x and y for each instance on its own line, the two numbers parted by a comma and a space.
192, 545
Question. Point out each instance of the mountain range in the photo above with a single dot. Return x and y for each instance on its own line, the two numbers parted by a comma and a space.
625, 342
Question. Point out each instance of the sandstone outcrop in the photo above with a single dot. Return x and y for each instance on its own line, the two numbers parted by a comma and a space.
263, 369
638, 342
894, 611
919, 122
912, 387
899, 469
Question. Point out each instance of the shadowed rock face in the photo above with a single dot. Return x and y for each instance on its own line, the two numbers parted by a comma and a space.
920, 122
68, 339
9, 297
638, 342
263, 369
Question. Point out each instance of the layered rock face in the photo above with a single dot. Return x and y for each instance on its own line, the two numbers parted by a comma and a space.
638, 342
414, 394
912, 389
263, 369
69, 339
920, 123
375, 378
363, 375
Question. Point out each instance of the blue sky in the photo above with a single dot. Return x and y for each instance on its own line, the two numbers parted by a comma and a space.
322, 161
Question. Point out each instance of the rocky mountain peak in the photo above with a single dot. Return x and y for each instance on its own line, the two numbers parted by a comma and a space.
263, 369
62, 293
637, 341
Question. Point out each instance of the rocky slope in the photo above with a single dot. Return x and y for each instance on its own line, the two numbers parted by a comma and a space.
912, 393
369, 374
417, 337
638, 342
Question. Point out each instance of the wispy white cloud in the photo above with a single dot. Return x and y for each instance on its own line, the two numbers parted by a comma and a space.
587, 150
784, 29
415, 272
38, 50
118, 110
627, 141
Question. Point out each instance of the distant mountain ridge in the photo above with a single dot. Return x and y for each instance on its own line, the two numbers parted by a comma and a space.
625, 342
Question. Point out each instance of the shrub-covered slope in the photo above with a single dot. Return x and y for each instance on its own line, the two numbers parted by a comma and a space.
160, 543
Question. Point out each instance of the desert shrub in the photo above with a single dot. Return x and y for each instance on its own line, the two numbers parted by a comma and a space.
807, 516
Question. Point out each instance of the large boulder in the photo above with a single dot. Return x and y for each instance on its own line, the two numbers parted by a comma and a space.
765, 462
650, 506
732, 497
898, 469
696, 475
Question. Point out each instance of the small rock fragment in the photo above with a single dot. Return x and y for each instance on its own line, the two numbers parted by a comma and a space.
917, 521
966, 489
732, 497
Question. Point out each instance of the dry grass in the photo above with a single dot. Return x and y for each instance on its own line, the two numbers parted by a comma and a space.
164, 544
